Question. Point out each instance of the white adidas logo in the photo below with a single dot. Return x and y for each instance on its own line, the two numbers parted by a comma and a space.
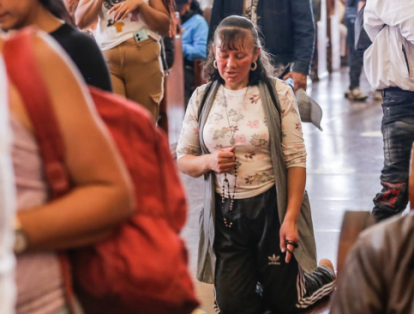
274, 260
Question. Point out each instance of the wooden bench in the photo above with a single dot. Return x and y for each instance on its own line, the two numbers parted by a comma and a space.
355, 222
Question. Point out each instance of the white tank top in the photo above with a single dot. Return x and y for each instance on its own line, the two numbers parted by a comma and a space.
110, 34
7, 203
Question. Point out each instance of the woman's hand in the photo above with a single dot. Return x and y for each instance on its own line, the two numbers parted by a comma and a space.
124, 8
288, 232
222, 160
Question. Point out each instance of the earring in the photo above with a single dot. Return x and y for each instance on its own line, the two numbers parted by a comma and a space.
215, 64
254, 67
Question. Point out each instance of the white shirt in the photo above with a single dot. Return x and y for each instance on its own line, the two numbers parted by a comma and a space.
238, 115
7, 204
110, 33
389, 61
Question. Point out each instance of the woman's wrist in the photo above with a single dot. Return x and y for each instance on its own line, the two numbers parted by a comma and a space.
138, 4
207, 163
291, 217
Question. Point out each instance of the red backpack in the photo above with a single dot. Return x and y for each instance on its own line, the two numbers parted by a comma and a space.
144, 267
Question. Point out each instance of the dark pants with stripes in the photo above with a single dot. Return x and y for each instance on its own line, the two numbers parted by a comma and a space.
251, 274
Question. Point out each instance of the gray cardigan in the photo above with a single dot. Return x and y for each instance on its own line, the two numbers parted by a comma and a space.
306, 252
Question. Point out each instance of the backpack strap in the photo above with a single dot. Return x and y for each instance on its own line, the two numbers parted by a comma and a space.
203, 101
271, 86
25, 74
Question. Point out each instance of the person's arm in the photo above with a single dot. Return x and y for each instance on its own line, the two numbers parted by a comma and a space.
102, 196
398, 13
189, 160
155, 14
87, 12
361, 3
295, 157
198, 47
221, 161
304, 40
71, 6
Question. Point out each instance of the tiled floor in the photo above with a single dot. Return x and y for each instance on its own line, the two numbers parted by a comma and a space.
343, 168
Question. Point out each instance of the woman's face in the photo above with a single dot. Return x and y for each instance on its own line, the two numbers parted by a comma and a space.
234, 65
15, 14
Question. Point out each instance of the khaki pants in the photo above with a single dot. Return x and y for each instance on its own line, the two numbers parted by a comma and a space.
136, 73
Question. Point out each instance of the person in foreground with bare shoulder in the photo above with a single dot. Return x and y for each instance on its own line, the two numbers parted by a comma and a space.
242, 131
100, 200
51, 16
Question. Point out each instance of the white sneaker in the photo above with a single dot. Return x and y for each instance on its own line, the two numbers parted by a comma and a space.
355, 94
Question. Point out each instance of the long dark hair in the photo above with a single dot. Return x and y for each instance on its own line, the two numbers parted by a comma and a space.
58, 9
170, 5
232, 31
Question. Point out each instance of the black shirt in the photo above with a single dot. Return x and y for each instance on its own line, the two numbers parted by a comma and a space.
86, 55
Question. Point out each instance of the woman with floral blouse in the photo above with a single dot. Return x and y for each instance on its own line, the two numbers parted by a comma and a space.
242, 131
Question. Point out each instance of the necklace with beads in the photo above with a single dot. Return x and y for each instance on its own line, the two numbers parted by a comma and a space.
226, 181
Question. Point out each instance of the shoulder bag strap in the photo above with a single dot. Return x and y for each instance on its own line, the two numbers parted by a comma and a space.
273, 94
203, 101
25, 74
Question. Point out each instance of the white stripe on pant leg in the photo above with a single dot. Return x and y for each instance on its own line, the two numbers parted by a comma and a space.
300, 284
317, 295
304, 302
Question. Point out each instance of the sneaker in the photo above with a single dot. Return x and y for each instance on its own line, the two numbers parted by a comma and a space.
355, 94
347, 93
377, 95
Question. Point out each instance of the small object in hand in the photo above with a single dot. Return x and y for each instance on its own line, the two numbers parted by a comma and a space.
294, 244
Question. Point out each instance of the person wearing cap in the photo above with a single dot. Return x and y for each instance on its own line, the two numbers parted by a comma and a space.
194, 29
242, 131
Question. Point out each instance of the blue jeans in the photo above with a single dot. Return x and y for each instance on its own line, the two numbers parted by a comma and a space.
398, 135
355, 58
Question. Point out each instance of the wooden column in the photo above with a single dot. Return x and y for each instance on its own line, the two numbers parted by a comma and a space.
334, 53
172, 106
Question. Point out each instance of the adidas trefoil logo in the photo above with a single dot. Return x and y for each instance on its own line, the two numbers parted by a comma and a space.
274, 260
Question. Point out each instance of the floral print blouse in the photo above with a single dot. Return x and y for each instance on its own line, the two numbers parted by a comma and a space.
237, 116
